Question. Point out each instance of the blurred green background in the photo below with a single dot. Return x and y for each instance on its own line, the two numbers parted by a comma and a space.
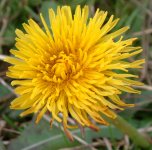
21, 133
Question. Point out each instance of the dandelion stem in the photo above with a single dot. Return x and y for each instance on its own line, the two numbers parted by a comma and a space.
132, 132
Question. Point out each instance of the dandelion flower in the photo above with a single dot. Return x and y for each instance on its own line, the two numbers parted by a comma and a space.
75, 66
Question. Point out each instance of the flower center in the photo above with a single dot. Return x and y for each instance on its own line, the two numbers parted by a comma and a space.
62, 68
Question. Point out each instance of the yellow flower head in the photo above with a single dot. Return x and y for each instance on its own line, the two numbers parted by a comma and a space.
69, 68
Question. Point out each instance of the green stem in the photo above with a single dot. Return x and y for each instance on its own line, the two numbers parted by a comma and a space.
132, 132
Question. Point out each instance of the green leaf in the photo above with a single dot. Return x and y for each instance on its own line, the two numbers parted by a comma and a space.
3, 91
143, 102
34, 2
132, 17
32, 13
9, 34
42, 137
45, 8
